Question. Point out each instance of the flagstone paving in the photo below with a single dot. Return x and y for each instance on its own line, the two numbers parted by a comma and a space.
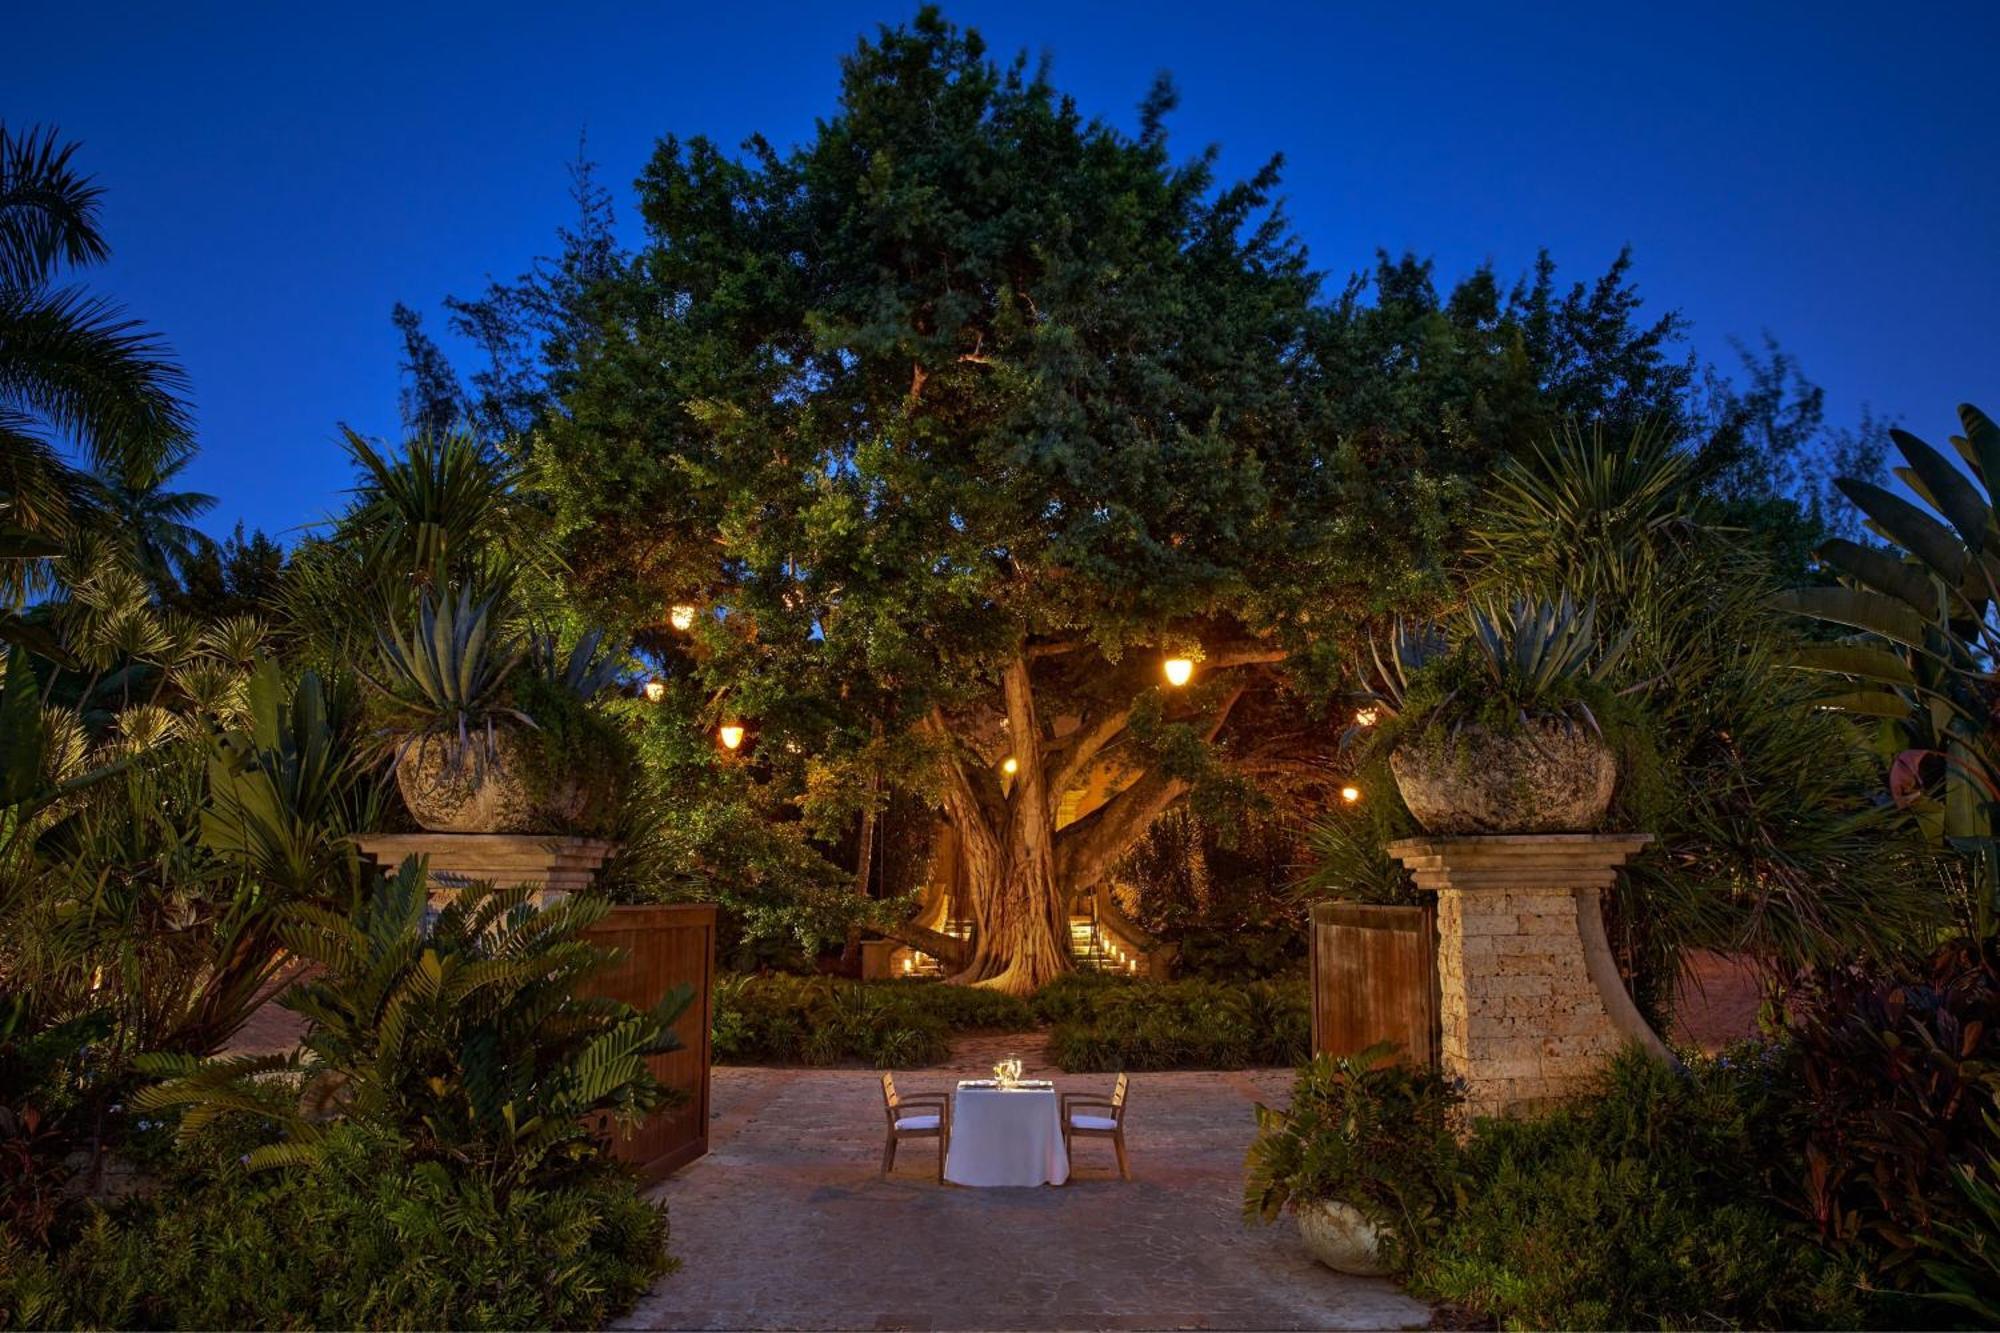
788, 1224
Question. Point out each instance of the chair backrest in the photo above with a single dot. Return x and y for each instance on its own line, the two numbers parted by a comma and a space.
889, 1097
1118, 1098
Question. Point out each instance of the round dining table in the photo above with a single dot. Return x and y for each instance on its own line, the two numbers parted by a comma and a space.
1006, 1135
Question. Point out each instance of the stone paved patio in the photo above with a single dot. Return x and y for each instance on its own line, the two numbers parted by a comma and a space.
787, 1223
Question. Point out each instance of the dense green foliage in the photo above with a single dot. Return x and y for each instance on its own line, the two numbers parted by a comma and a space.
1105, 1024
1363, 1130
1837, 1176
464, 1032
1096, 1023
826, 1020
1660, 1203
361, 1238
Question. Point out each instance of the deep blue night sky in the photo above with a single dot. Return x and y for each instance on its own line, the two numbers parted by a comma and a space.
279, 175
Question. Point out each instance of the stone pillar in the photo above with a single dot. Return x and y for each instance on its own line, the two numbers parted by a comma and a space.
1531, 1006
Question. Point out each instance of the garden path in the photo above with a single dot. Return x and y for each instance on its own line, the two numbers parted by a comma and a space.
787, 1223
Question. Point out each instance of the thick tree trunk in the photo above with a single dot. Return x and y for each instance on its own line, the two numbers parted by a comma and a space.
1021, 873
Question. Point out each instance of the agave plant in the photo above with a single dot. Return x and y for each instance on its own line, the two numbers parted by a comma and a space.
466, 1037
1532, 647
449, 672
579, 672
1923, 660
1531, 653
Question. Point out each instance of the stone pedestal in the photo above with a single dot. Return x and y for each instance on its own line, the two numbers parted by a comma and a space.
1531, 1007
548, 863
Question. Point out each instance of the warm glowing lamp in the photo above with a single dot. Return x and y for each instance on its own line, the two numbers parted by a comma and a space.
1010, 765
1366, 717
682, 617
731, 734
1180, 670
656, 690
1350, 794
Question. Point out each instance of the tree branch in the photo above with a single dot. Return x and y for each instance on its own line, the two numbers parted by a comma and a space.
1081, 748
1085, 848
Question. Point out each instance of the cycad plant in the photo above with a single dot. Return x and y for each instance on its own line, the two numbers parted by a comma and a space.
467, 1037
1922, 662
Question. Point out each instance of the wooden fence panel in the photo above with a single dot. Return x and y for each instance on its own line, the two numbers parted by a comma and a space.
1374, 978
662, 947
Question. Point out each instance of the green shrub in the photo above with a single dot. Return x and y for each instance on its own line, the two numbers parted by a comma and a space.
1363, 1132
1105, 1024
1654, 1204
1241, 955
784, 1019
361, 1238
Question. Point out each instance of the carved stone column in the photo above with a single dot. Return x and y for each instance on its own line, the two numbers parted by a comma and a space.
1531, 1006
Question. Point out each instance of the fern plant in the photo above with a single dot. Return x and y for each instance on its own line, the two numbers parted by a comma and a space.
468, 1039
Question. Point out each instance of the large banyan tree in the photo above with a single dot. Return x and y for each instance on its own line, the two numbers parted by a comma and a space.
959, 420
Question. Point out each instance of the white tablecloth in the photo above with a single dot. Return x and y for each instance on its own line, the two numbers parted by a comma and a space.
1006, 1137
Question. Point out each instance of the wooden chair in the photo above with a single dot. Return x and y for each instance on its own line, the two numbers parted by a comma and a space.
934, 1123
1097, 1126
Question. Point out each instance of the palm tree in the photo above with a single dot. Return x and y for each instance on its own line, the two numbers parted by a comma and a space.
153, 524
75, 372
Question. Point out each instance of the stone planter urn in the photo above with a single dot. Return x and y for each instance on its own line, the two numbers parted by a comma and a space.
1337, 1235
1552, 776
460, 794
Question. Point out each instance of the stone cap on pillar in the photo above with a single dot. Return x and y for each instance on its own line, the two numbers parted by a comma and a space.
546, 862
1502, 861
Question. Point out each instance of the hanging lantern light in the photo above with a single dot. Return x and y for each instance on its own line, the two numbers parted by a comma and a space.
1180, 670
731, 734
682, 617
656, 690
1366, 717
1350, 794
1010, 765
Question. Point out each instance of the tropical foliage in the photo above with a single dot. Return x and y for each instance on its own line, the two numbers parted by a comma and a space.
1920, 667
465, 1037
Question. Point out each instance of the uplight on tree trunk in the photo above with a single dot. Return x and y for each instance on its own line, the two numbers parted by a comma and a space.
1180, 670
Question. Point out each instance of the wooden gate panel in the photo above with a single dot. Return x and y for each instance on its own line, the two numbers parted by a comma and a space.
660, 948
1374, 978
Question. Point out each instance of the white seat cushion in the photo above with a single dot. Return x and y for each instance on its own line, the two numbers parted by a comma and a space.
1093, 1122
917, 1122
